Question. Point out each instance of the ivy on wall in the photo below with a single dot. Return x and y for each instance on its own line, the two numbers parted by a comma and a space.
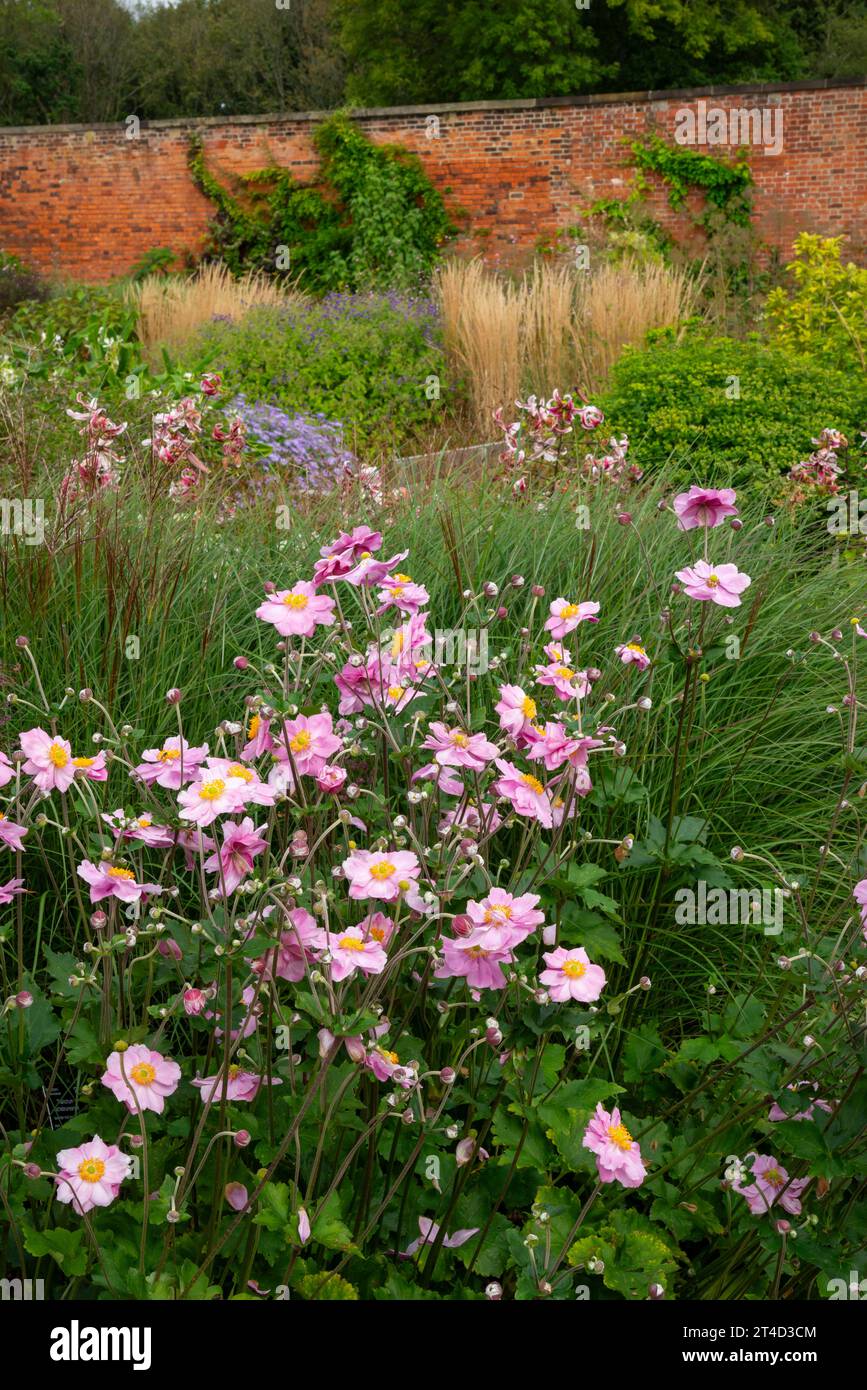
726, 184
372, 219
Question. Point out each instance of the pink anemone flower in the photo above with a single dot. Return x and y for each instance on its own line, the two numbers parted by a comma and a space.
108, 880
351, 950
472, 958
720, 584
297, 612
233, 861
240, 1085
150, 1078
771, 1185
457, 748
429, 1230
310, 739
572, 975
379, 874
49, 760
566, 616
632, 653
12, 834
618, 1157
525, 792
10, 889
704, 506
173, 764
90, 1176
503, 920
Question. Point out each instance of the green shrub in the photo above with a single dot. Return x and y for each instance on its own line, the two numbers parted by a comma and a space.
371, 220
364, 360
19, 284
82, 333
826, 315
717, 410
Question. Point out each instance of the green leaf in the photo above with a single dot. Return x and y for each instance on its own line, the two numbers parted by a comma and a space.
636, 1254
66, 1247
327, 1227
643, 1052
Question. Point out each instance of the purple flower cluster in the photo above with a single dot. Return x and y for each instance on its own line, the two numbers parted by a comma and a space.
310, 447
343, 306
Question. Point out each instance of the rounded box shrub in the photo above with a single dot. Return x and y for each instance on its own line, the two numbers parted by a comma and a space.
739, 413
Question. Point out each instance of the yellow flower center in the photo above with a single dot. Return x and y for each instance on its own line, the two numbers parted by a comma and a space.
253, 726
378, 933
532, 782
351, 943
403, 579
498, 914
529, 707
236, 770
144, 822
389, 1056
619, 1135
168, 755
636, 647
143, 1073
91, 1170
82, 762
395, 692
574, 969
458, 739
234, 1070
476, 952
382, 870
712, 581
58, 755
774, 1177
296, 601
212, 791
300, 741
571, 610
120, 873
565, 672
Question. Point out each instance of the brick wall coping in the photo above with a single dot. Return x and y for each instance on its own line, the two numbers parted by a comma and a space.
519, 104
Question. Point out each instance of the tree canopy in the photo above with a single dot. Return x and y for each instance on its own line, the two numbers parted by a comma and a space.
95, 60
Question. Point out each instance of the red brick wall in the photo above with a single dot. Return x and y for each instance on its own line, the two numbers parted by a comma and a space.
88, 202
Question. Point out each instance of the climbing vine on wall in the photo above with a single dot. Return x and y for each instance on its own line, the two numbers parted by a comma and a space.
372, 219
726, 184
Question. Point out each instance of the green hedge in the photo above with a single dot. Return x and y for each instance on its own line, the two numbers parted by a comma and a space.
721, 411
